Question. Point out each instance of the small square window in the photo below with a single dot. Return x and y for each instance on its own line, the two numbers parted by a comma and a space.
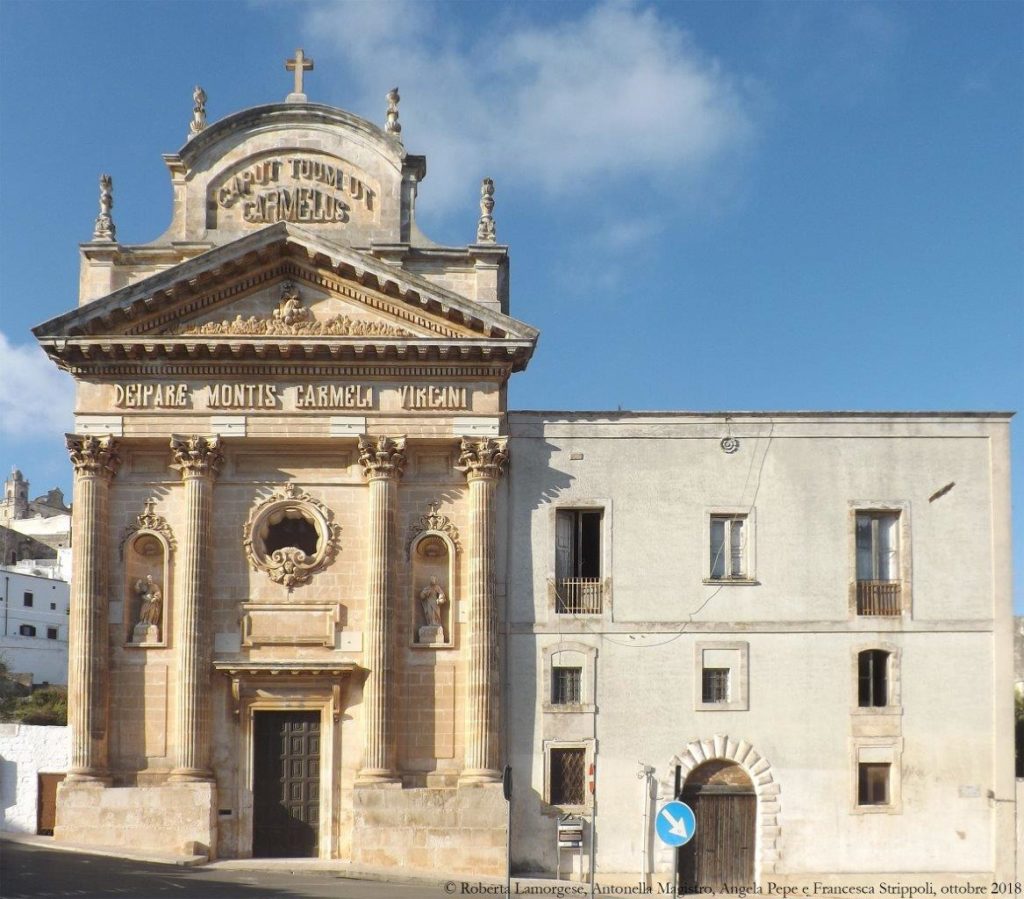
728, 551
715, 685
568, 776
29, 600
566, 686
51, 633
873, 783
53, 607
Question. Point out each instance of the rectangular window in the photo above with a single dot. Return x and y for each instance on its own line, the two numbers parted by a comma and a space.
873, 783
578, 561
27, 630
568, 776
29, 599
878, 564
51, 633
566, 686
715, 685
872, 678
728, 547
53, 607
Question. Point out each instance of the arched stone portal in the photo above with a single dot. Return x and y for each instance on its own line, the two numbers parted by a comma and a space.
760, 774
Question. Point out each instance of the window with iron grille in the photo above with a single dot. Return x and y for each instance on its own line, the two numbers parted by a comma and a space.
29, 600
578, 561
568, 776
873, 678
566, 686
873, 783
728, 547
715, 685
51, 633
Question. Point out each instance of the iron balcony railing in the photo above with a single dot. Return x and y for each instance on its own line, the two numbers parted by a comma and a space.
879, 598
579, 596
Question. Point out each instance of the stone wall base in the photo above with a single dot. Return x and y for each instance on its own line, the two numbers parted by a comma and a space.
170, 818
443, 831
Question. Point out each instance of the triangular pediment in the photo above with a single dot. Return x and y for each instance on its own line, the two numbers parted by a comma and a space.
283, 286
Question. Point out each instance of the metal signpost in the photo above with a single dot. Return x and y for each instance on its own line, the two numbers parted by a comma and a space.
506, 786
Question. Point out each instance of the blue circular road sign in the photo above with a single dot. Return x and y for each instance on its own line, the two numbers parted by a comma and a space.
675, 823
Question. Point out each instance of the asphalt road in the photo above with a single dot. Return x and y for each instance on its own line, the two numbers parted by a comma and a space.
32, 872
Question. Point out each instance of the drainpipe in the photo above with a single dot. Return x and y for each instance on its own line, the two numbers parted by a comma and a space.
7, 599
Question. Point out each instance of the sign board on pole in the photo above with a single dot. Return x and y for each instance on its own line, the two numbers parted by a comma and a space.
675, 823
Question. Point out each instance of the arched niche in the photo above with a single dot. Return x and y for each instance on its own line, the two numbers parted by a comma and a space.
147, 588
432, 558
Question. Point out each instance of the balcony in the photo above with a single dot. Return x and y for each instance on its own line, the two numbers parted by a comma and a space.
880, 598
579, 596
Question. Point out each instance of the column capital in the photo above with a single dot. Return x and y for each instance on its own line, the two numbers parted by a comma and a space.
483, 458
197, 456
381, 457
91, 455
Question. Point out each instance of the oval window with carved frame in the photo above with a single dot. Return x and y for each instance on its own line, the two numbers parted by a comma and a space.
291, 536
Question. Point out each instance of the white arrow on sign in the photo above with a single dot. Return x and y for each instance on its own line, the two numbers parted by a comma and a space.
676, 826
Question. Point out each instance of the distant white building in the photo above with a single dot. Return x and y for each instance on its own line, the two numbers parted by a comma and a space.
34, 625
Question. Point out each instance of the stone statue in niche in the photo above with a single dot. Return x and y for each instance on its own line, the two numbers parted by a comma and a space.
432, 598
150, 611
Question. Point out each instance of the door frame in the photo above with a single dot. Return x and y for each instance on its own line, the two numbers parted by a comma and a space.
692, 796
286, 702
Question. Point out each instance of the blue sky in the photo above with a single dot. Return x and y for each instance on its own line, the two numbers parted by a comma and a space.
709, 205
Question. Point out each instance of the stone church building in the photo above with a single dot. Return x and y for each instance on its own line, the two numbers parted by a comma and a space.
326, 585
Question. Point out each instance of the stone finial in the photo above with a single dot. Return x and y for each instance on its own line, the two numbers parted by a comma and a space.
393, 126
485, 232
105, 229
198, 122
298, 65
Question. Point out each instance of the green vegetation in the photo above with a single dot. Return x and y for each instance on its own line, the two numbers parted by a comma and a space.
20, 703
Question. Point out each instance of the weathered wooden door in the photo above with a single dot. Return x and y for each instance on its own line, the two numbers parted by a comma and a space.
721, 852
47, 817
286, 784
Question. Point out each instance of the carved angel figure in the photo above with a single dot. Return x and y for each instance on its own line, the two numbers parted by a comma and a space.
432, 598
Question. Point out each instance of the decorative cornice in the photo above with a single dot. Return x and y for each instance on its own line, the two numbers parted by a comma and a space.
381, 457
197, 456
290, 566
148, 520
93, 455
433, 523
484, 458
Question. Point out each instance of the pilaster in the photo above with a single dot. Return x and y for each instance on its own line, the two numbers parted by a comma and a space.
95, 460
198, 459
483, 462
383, 460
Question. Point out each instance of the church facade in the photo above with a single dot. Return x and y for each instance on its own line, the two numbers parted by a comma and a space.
326, 585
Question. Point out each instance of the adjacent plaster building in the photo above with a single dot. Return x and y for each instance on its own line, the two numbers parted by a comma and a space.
326, 585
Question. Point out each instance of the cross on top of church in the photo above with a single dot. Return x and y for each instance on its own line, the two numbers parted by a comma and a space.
298, 65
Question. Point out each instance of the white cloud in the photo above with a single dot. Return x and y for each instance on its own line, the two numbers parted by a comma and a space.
37, 399
612, 95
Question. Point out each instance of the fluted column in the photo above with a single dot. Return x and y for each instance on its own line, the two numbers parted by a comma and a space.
382, 459
483, 462
198, 459
95, 461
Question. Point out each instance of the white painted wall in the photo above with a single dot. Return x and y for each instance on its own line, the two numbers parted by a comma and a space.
25, 752
657, 477
44, 658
